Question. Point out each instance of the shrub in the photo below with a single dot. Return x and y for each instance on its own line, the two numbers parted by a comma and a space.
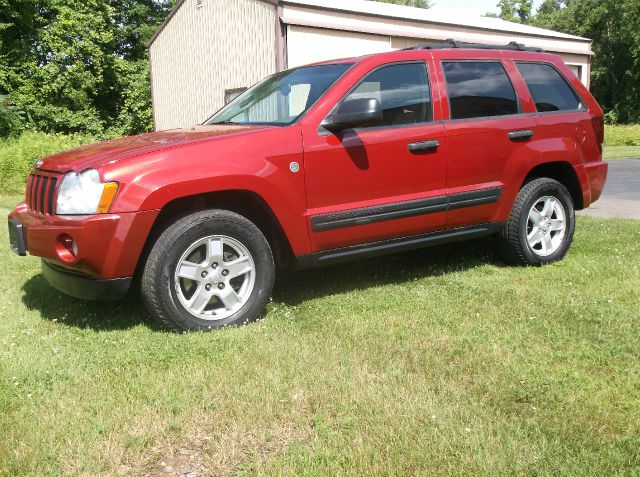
621, 135
17, 155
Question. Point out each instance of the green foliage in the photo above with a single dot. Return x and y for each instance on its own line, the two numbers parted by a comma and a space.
135, 114
620, 152
515, 10
410, 3
77, 67
17, 155
11, 118
614, 27
619, 135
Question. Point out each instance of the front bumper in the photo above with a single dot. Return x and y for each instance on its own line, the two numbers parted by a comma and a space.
85, 288
87, 257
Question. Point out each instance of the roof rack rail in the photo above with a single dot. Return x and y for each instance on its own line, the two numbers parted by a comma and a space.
514, 45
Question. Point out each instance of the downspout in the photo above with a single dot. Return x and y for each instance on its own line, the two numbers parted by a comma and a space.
153, 102
280, 40
589, 65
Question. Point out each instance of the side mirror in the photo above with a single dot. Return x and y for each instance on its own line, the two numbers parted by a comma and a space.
355, 113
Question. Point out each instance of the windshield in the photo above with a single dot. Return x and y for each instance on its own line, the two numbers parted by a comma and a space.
282, 98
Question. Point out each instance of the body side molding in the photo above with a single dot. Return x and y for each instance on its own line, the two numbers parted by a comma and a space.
398, 210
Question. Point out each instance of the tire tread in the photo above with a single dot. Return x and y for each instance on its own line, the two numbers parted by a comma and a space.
152, 299
510, 246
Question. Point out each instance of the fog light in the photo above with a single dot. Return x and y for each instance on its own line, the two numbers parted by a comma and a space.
67, 248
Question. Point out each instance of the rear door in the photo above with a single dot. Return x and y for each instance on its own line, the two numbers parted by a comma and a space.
487, 132
563, 121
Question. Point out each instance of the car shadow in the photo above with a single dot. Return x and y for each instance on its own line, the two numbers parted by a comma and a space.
292, 288
295, 288
97, 315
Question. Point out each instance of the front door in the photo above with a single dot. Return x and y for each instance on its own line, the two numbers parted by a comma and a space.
376, 183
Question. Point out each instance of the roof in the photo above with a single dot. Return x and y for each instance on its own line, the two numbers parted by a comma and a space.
370, 8
447, 52
402, 12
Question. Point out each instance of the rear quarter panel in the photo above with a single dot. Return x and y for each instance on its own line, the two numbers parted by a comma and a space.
564, 136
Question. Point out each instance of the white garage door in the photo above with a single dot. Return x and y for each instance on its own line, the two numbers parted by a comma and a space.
309, 45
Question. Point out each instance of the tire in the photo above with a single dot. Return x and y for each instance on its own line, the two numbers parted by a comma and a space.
214, 259
525, 242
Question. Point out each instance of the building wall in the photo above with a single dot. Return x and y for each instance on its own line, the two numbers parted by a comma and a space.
316, 34
207, 47
309, 45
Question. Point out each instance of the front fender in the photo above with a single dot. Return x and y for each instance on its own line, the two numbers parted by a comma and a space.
260, 166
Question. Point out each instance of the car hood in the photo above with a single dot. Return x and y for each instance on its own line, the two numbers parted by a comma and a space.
114, 150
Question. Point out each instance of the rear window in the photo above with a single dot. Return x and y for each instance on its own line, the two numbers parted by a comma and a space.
479, 89
549, 89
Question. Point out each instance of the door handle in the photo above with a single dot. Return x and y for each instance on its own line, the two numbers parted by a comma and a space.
424, 146
522, 135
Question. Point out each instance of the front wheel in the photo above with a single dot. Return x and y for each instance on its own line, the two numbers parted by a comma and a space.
208, 270
541, 225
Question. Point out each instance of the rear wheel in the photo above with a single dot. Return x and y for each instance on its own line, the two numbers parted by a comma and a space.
541, 225
208, 270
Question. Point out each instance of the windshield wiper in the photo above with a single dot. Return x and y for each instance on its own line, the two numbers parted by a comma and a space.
224, 122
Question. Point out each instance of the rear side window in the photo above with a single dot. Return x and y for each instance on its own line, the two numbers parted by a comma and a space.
549, 89
403, 91
478, 89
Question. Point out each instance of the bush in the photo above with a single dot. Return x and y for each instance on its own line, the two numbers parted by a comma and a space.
17, 155
619, 135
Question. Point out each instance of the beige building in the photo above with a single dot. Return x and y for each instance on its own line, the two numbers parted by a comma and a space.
207, 51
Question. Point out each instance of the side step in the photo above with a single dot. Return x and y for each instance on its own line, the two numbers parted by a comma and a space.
355, 252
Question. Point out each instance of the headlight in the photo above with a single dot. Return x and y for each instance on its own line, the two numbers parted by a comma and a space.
84, 194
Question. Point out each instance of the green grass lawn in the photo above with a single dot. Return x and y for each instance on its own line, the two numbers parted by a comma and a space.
438, 362
620, 152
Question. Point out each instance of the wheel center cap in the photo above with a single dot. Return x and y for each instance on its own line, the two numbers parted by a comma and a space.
215, 277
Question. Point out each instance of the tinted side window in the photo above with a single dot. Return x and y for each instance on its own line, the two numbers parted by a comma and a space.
403, 91
478, 89
550, 91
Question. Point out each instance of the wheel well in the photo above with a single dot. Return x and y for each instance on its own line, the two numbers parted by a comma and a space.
246, 203
564, 173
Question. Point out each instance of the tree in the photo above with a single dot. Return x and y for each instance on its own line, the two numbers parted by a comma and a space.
515, 10
410, 3
549, 7
524, 10
77, 66
614, 27
507, 10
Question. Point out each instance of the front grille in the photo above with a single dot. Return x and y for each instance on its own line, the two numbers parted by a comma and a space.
41, 190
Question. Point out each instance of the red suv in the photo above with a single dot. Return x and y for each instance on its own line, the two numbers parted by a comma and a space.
317, 165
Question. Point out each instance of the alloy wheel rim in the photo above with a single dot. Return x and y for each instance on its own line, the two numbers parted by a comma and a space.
546, 226
214, 277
